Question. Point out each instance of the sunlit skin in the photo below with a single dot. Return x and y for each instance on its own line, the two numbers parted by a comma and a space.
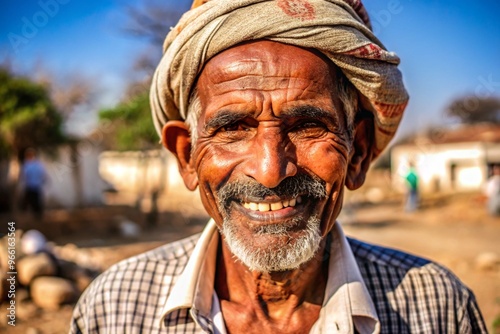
270, 111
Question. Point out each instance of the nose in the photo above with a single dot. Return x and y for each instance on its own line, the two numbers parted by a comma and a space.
272, 159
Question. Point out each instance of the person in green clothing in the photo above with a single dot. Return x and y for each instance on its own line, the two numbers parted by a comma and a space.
412, 198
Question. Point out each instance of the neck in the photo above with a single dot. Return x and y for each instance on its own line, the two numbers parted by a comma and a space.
274, 293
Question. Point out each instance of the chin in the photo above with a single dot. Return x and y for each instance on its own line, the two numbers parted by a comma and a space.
273, 248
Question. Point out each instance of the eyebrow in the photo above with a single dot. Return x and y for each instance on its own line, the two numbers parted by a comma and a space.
311, 112
224, 117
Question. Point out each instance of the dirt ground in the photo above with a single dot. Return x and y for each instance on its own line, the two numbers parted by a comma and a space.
452, 230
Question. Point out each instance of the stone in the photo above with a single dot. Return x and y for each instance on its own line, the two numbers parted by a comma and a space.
32, 266
32, 242
52, 292
9, 244
83, 282
26, 311
80, 276
22, 294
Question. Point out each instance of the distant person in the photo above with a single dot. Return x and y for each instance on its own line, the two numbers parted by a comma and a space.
492, 191
33, 178
412, 196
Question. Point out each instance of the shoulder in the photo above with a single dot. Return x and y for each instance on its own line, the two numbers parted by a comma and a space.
383, 256
174, 254
391, 263
415, 293
134, 289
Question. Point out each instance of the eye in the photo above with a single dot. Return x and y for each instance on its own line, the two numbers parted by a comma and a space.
241, 125
234, 131
237, 126
309, 129
310, 124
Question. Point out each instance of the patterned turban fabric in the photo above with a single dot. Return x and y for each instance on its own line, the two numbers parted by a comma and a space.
340, 29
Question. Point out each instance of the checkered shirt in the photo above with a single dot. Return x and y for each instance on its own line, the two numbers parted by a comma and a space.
410, 294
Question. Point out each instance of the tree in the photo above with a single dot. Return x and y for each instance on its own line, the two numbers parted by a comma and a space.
153, 20
28, 117
472, 109
133, 127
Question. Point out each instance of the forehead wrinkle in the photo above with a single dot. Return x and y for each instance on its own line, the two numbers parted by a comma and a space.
262, 83
227, 67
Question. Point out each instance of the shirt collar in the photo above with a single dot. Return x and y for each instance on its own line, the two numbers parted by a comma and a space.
347, 304
195, 286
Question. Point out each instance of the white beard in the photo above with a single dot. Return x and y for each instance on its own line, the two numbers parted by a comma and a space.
275, 256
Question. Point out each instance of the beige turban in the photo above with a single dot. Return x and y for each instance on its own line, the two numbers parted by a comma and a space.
340, 29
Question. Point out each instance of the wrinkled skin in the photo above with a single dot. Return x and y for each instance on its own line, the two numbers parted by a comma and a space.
270, 112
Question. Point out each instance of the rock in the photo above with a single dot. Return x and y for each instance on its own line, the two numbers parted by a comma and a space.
52, 292
82, 257
3, 319
69, 269
487, 261
8, 244
32, 266
80, 276
33, 242
22, 294
83, 282
26, 311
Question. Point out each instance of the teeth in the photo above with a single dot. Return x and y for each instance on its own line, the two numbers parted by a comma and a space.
276, 206
263, 207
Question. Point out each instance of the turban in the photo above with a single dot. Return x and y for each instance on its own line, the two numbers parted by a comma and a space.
340, 29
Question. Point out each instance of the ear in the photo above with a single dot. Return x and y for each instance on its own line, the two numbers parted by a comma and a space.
361, 155
176, 138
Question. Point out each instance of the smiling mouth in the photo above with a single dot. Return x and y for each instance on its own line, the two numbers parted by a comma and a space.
274, 206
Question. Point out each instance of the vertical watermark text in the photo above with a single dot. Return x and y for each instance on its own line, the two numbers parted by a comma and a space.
11, 273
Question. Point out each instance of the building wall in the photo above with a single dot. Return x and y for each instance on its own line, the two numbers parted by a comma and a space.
137, 176
73, 177
445, 167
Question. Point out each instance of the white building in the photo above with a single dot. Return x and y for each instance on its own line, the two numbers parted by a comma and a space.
457, 160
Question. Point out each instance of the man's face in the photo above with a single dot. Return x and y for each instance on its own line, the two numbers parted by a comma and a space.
272, 151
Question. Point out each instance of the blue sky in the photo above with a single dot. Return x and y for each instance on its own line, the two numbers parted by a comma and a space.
448, 47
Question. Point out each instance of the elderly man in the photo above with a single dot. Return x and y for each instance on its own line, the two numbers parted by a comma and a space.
272, 108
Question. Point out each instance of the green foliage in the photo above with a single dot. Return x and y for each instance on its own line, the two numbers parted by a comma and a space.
28, 118
133, 127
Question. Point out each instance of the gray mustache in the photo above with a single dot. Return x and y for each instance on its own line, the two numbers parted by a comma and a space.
290, 187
